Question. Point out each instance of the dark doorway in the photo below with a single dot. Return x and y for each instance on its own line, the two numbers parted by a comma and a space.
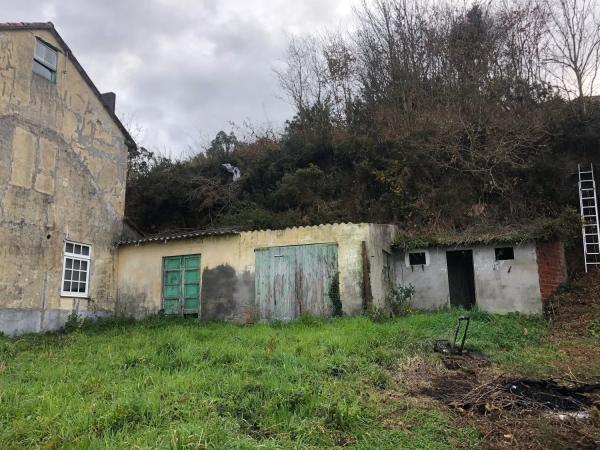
461, 278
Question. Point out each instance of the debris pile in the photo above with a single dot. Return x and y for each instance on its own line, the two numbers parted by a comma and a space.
527, 395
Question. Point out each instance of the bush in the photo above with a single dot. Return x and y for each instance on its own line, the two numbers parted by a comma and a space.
73, 322
399, 300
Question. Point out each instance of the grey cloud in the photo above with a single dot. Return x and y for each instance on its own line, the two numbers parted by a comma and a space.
184, 68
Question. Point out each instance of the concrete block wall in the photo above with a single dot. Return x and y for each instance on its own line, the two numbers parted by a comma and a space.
552, 267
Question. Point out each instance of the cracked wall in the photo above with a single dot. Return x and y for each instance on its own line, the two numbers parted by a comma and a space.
62, 176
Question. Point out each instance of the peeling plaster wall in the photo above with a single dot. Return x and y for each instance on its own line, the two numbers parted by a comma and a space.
62, 175
228, 266
381, 238
500, 286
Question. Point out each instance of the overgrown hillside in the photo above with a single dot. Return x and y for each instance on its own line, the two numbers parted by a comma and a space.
429, 117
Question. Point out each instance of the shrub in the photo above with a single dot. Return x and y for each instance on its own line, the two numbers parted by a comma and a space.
399, 300
73, 322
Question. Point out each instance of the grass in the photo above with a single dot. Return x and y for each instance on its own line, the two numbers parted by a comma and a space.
176, 384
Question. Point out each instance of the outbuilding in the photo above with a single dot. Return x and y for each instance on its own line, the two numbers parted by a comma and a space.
500, 276
248, 276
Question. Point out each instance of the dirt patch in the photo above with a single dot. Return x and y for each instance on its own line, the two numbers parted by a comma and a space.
512, 412
508, 411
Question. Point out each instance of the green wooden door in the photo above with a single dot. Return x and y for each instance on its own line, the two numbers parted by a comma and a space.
181, 284
292, 280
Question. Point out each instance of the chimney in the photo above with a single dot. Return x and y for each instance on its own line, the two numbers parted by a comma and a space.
109, 99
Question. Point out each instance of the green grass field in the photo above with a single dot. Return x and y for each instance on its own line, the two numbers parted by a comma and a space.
178, 384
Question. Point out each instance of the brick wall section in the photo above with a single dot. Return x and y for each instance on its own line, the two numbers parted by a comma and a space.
552, 267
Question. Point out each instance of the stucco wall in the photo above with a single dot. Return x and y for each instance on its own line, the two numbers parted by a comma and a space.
500, 286
228, 266
381, 238
62, 175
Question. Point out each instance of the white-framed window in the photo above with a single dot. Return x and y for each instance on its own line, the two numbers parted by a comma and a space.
45, 59
76, 269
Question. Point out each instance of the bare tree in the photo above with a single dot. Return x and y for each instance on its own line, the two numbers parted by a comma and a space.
574, 53
304, 76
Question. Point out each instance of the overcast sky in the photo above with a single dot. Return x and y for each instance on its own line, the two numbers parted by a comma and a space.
184, 69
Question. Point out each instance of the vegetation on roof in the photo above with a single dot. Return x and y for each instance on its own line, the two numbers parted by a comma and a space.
566, 227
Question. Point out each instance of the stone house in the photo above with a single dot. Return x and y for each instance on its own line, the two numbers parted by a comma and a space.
63, 162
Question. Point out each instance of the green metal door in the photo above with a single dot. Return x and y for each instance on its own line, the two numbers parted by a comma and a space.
181, 284
292, 280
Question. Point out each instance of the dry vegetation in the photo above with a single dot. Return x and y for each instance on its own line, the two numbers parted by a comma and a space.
541, 410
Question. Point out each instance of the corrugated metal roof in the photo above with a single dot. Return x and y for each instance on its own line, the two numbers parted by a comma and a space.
181, 234
193, 233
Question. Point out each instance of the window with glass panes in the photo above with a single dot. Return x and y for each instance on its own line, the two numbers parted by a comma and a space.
76, 271
45, 59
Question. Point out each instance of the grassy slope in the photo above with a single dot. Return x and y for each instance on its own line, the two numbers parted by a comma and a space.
174, 384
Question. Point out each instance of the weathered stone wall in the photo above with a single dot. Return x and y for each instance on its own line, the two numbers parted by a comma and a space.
228, 267
62, 176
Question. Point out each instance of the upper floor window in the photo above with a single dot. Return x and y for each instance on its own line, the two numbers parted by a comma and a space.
76, 270
44, 60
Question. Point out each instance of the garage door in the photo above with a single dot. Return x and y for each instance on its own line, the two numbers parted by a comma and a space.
181, 284
295, 279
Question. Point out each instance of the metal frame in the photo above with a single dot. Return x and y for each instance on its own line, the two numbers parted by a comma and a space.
589, 216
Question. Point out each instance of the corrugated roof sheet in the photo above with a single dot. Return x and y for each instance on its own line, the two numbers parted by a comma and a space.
181, 234
187, 234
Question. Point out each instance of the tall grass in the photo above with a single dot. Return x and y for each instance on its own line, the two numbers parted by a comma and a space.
311, 383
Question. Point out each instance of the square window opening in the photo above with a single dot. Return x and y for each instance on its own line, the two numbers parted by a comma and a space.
504, 253
417, 258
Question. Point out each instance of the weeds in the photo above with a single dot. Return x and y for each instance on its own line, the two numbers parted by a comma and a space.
334, 296
309, 383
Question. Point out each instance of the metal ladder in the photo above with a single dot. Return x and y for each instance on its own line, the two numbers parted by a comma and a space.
588, 207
